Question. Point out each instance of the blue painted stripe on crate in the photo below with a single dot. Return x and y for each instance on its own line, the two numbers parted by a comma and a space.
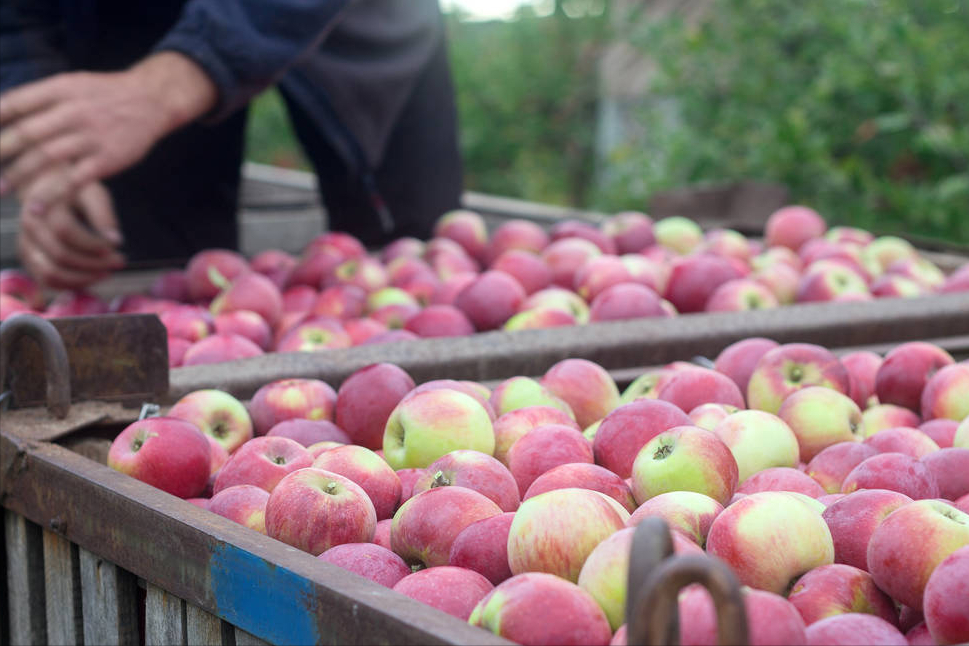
272, 603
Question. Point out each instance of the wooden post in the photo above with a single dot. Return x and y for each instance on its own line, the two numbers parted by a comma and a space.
62, 588
25, 580
205, 628
164, 618
248, 639
109, 600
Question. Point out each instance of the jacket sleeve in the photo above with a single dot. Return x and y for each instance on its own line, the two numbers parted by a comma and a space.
29, 42
246, 45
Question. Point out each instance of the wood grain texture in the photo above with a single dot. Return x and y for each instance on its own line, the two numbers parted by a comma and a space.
204, 628
109, 601
25, 580
164, 618
248, 639
62, 588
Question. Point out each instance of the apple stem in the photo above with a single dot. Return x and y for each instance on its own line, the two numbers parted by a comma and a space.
217, 279
330, 487
440, 480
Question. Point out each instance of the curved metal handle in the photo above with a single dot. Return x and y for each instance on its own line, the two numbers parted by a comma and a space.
656, 602
652, 544
56, 365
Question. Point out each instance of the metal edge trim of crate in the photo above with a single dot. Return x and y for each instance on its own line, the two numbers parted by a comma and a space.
274, 591
617, 344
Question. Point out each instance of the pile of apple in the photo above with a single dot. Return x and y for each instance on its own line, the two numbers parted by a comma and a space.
223, 306
836, 488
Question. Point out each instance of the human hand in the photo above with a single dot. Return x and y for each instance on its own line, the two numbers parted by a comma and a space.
68, 244
98, 123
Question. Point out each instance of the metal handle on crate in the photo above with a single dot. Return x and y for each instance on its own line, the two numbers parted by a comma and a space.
652, 615
56, 365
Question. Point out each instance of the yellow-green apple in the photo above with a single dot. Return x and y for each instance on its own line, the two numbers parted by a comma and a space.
512, 425
819, 418
852, 235
396, 315
584, 230
520, 392
895, 286
879, 254
262, 461
215, 413
910, 543
944, 601
473, 470
604, 573
782, 479
208, 271
626, 301
537, 608
426, 425
490, 299
217, 348
881, 416
244, 504
854, 628
771, 619
310, 432
905, 371
544, 448
631, 231
245, 323
837, 589
367, 469
790, 367
941, 430
946, 393
689, 512
961, 437
166, 452
862, 366
284, 399
693, 279
340, 302
781, 280
758, 440
685, 458
564, 257
366, 399
426, 525
366, 273
368, 560
313, 510
950, 467
678, 234
187, 322
628, 428
901, 439
688, 388
895, 472
831, 466
590, 430
539, 318
480, 393
482, 546
585, 386
388, 296
793, 225
646, 385
250, 291
555, 532
853, 519
465, 227
741, 294
314, 334
439, 321
581, 475
454, 590
526, 267
770, 539
829, 280
559, 298
921, 270
517, 234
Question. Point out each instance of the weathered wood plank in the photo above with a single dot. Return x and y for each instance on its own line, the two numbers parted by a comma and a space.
109, 599
25, 579
164, 618
62, 588
248, 639
206, 629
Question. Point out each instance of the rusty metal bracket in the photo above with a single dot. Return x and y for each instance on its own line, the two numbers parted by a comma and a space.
57, 368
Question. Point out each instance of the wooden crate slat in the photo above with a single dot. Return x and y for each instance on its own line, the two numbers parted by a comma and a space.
205, 628
248, 639
164, 618
25, 579
277, 593
109, 598
62, 588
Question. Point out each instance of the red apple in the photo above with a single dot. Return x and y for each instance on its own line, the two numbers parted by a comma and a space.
945, 394
544, 448
564, 258
439, 321
909, 441
250, 291
218, 348
465, 227
291, 398
790, 367
217, 414
454, 590
862, 366
581, 475
188, 322
177, 347
626, 301
950, 467
838, 589
366, 273
881, 416
310, 432
694, 279
367, 469
512, 425
792, 226
539, 318
517, 234
490, 299
557, 298
367, 398
577, 229
340, 302
854, 628
262, 461
942, 431
741, 294
689, 388
895, 472
585, 386
370, 561
739, 359
944, 602
314, 334
771, 619
906, 370
631, 231
627, 429
526, 267
832, 465
853, 519
678, 234
482, 546
207, 272
782, 479
245, 323
165, 452
473, 470
244, 504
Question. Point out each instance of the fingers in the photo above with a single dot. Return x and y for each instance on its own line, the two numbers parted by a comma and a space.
29, 98
39, 158
95, 203
34, 130
43, 256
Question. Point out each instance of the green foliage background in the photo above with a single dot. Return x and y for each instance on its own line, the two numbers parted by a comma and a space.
860, 107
